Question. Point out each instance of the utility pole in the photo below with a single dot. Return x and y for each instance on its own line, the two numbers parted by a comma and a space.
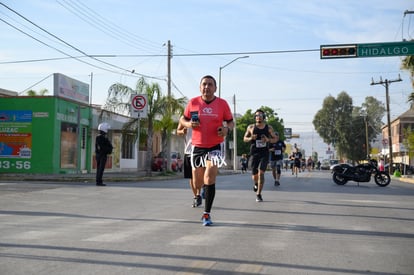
386, 83
168, 168
169, 67
366, 136
234, 136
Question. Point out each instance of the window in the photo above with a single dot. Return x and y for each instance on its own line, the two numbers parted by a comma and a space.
128, 145
68, 145
83, 140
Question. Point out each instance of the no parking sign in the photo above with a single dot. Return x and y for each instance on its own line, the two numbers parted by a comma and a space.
139, 108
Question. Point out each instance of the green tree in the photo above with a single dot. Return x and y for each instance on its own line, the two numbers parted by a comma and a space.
42, 92
118, 100
247, 119
344, 126
408, 65
333, 122
172, 108
408, 141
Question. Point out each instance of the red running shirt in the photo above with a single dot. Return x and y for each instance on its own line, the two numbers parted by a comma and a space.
211, 116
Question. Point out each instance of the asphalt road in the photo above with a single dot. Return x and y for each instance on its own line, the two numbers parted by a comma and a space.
308, 225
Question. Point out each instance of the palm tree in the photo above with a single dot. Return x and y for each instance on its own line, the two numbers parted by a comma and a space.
408, 64
172, 109
411, 99
42, 92
159, 116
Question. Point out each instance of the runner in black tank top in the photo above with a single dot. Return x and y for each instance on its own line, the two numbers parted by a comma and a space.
259, 135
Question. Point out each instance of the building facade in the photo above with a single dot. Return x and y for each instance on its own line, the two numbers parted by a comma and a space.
404, 122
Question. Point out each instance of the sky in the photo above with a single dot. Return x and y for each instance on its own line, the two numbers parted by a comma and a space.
283, 70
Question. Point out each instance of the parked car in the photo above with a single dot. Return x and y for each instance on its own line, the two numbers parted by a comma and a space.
405, 169
176, 162
325, 165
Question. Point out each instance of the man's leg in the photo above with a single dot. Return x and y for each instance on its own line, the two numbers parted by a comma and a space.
100, 167
210, 176
198, 175
255, 172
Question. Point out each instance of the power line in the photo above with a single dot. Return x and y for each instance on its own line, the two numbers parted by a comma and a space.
104, 25
35, 84
71, 46
56, 49
46, 59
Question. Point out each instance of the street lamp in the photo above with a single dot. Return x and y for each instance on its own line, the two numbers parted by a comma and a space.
366, 134
234, 101
234, 136
222, 67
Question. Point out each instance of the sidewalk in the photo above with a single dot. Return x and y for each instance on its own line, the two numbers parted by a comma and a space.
107, 177
408, 179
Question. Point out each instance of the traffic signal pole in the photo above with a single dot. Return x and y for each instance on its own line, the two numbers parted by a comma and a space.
386, 83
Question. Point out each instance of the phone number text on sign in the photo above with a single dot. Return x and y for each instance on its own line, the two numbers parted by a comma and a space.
15, 164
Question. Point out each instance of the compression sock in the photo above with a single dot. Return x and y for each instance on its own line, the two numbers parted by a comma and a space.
261, 181
209, 193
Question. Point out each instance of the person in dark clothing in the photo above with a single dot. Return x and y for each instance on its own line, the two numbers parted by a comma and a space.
276, 158
259, 135
243, 162
103, 147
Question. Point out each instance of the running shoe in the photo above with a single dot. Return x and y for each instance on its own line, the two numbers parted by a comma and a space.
255, 187
206, 219
277, 183
194, 202
259, 198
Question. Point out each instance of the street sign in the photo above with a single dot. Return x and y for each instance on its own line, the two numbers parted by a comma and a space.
288, 133
402, 48
380, 49
139, 108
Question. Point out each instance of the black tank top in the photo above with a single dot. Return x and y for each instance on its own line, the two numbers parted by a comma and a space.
257, 145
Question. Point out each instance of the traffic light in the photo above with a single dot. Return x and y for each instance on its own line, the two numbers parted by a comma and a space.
338, 51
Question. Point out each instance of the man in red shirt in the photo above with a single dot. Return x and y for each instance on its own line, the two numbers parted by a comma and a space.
211, 119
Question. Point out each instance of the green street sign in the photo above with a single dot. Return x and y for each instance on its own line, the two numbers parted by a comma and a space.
383, 49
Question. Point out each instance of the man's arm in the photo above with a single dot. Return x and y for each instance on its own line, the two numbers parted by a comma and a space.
186, 123
272, 135
248, 136
224, 131
181, 130
230, 125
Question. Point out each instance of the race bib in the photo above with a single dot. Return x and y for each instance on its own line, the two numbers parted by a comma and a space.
278, 152
214, 154
260, 143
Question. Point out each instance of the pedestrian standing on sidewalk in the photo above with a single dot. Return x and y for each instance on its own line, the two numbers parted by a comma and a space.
243, 162
188, 171
259, 135
276, 158
211, 120
103, 148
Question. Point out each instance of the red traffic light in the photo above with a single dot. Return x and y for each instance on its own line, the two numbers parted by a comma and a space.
338, 51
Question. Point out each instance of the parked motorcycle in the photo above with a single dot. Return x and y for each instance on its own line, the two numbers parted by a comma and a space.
342, 173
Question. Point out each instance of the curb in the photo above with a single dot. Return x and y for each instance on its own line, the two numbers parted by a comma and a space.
405, 179
90, 178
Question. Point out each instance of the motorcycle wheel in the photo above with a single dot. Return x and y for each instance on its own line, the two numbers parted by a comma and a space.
339, 179
382, 179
